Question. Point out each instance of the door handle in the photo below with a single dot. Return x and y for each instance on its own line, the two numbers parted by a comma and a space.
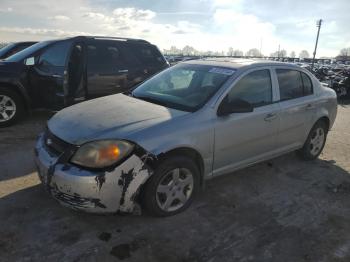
270, 117
309, 107
57, 76
123, 71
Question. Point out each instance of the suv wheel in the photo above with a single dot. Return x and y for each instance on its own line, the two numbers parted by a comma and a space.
11, 107
315, 142
172, 187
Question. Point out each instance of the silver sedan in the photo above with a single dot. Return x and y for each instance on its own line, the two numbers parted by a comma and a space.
154, 147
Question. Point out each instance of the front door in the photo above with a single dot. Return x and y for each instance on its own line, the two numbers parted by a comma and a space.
244, 138
48, 77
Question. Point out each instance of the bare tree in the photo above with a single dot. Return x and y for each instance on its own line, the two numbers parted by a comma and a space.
188, 50
345, 52
253, 52
304, 54
237, 53
275, 54
230, 51
283, 53
280, 53
292, 54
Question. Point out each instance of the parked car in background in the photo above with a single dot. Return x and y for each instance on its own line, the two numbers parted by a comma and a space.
192, 122
54, 74
14, 48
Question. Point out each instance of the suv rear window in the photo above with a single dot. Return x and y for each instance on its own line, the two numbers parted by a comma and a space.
147, 54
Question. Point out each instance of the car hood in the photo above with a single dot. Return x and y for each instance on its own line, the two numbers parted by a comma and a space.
112, 117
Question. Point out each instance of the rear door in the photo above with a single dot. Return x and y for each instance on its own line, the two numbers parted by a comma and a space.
107, 71
297, 104
48, 77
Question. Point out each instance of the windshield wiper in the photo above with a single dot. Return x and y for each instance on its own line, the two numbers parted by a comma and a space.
151, 100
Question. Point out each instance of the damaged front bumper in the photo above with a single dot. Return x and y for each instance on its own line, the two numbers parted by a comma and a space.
91, 191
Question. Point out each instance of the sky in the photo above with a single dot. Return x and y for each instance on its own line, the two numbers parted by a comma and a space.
213, 25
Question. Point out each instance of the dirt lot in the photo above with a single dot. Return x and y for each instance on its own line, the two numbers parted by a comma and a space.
281, 210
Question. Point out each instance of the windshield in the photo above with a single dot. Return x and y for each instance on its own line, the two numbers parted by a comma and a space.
6, 48
25, 53
184, 87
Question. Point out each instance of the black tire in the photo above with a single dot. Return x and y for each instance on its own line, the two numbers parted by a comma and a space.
306, 151
149, 195
19, 112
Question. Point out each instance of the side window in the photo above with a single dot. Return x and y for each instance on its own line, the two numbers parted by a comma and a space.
128, 52
103, 55
147, 54
255, 88
290, 84
55, 55
308, 90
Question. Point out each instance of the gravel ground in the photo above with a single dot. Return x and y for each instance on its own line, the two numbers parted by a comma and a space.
281, 210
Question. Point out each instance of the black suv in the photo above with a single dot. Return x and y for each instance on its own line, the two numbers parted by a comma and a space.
14, 48
58, 73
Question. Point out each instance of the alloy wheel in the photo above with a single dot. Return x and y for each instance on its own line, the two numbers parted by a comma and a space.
317, 140
174, 189
7, 108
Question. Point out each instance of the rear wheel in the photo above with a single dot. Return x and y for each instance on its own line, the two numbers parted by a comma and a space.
172, 187
315, 142
11, 107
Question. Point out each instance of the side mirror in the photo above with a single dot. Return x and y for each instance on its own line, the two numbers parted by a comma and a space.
30, 61
235, 106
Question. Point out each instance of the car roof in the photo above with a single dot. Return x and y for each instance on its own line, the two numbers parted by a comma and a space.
26, 42
237, 63
123, 39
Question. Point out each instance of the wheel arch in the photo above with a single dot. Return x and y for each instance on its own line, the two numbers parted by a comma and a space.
324, 119
188, 152
20, 91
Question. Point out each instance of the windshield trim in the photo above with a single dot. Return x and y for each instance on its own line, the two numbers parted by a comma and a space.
166, 104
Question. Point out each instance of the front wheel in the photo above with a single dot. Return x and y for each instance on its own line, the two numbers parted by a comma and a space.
11, 107
315, 142
172, 187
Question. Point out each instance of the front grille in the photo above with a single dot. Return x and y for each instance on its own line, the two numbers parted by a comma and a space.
55, 144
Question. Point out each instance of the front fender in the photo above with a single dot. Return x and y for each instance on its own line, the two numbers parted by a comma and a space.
202, 143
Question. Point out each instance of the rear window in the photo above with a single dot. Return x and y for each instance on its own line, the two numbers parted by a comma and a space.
308, 90
147, 54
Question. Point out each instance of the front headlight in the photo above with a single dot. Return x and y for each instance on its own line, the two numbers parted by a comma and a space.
100, 154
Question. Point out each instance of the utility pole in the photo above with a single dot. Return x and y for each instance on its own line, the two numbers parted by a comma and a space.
318, 24
279, 48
